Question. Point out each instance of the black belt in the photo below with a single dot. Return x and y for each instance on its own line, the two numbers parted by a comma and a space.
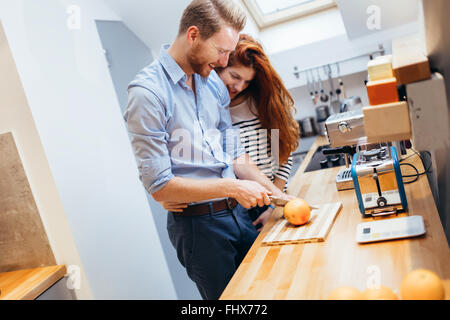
208, 207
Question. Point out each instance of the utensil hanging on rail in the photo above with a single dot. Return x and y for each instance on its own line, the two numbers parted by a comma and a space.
341, 89
310, 87
335, 103
315, 87
323, 95
327, 70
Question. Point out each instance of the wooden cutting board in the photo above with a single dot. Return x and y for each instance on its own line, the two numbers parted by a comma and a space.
316, 230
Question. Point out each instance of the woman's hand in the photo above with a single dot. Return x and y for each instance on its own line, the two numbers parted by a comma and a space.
263, 218
284, 196
173, 206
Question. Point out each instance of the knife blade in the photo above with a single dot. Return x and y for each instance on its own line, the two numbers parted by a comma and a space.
279, 202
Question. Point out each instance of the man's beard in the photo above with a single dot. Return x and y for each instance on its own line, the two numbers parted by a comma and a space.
198, 66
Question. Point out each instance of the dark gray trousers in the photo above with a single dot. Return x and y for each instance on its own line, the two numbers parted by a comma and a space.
212, 246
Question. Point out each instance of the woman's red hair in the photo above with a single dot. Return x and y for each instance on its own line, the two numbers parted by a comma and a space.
274, 103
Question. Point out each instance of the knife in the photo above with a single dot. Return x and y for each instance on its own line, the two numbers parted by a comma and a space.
279, 202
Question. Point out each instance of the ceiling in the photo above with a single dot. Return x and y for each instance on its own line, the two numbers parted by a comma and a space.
154, 22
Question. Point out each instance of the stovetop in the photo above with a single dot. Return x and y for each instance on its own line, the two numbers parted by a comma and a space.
320, 161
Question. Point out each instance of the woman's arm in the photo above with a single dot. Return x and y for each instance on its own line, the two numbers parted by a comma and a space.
279, 183
282, 173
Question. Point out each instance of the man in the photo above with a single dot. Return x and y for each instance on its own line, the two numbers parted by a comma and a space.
179, 124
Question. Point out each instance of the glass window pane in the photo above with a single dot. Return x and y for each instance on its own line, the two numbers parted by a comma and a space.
271, 6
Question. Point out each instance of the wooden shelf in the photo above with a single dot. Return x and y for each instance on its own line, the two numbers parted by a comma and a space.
30, 283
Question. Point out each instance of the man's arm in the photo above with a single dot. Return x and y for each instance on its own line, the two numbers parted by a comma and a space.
185, 190
146, 121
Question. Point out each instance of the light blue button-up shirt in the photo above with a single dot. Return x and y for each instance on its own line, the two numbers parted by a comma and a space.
173, 132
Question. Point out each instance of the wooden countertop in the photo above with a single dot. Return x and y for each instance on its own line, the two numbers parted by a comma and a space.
29, 284
313, 270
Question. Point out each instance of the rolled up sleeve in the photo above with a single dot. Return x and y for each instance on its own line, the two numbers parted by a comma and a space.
146, 120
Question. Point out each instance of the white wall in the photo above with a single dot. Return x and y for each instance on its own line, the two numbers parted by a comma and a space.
16, 117
72, 100
333, 50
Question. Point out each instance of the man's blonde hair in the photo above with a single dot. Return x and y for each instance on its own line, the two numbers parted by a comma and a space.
210, 15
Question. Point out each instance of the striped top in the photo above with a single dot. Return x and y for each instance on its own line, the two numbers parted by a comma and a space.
255, 141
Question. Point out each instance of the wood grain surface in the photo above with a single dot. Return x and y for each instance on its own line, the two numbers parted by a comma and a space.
23, 240
30, 283
313, 270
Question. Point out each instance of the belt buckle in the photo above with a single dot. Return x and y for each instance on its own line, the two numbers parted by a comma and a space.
229, 204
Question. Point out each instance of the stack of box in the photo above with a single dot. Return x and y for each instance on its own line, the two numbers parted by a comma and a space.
382, 85
387, 118
384, 119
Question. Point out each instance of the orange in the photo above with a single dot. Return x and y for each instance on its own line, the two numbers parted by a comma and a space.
345, 293
297, 212
422, 284
380, 293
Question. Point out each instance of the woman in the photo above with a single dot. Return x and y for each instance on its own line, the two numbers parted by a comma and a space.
261, 107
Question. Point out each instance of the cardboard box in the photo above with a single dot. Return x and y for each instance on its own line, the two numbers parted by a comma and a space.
387, 122
382, 91
409, 62
380, 68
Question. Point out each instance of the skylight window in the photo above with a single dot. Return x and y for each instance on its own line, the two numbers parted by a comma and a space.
270, 6
269, 12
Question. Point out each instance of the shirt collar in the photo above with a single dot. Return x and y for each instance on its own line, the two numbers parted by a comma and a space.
170, 65
172, 68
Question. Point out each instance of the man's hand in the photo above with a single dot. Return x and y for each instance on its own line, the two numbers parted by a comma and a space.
173, 206
264, 217
246, 169
250, 193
